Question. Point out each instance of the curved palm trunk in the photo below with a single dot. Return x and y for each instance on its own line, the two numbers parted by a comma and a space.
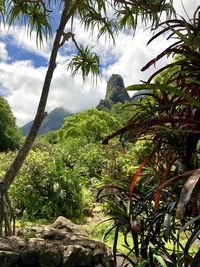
23, 152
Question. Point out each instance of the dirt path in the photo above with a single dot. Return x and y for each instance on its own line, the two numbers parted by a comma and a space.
98, 216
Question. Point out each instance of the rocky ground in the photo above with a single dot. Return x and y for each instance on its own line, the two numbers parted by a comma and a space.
62, 244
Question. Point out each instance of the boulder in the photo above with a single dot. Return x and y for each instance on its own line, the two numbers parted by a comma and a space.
30, 257
57, 245
65, 224
8, 258
76, 255
51, 257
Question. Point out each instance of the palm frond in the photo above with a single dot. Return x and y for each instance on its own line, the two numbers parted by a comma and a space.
129, 13
165, 88
34, 14
85, 61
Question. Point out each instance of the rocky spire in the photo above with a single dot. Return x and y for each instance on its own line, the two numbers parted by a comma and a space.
115, 89
115, 92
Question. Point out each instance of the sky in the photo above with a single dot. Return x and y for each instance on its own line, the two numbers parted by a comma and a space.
23, 67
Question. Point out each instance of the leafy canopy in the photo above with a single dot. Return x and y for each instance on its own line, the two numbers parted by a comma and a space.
91, 125
9, 134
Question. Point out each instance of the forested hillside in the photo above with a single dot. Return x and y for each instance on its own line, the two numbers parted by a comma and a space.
52, 122
61, 179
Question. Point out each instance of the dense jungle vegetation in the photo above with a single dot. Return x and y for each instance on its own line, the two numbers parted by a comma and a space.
146, 172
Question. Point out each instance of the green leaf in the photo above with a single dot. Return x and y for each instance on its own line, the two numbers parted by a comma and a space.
195, 234
156, 255
167, 221
115, 244
166, 226
166, 88
189, 223
34, 14
160, 260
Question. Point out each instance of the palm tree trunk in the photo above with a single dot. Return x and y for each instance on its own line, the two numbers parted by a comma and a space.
24, 150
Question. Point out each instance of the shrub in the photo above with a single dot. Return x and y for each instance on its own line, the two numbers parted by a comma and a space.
46, 187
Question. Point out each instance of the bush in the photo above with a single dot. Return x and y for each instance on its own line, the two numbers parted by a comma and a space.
46, 187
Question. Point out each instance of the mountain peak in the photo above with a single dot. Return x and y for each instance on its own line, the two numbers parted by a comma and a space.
115, 92
115, 89
51, 122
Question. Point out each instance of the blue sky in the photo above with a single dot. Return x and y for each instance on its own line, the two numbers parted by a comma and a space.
23, 67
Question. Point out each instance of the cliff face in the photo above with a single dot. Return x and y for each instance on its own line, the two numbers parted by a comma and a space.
115, 93
115, 90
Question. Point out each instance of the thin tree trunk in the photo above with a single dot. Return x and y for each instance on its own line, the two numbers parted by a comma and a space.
24, 150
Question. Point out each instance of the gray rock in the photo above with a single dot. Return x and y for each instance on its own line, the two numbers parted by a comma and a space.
54, 248
115, 90
8, 258
53, 234
5, 245
29, 257
65, 224
50, 258
115, 93
75, 255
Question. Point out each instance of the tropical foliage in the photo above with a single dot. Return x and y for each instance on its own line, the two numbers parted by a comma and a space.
145, 200
161, 204
49, 185
91, 125
93, 14
62, 166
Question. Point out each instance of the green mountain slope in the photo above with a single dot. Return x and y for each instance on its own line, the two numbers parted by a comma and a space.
52, 122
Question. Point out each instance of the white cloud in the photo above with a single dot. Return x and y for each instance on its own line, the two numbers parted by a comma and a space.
24, 84
72, 93
189, 5
21, 39
3, 52
133, 53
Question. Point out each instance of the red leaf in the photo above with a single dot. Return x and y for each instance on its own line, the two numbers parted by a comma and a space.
160, 182
135, 177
